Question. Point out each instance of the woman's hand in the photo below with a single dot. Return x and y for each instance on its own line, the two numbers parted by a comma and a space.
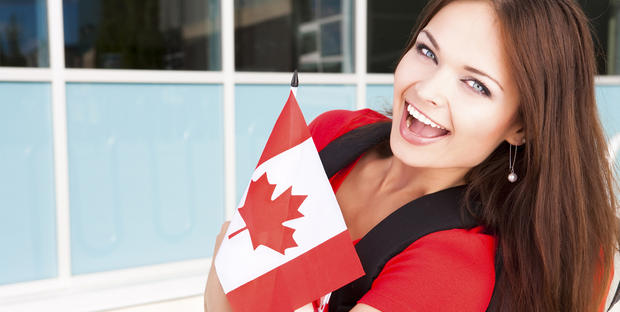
215, 298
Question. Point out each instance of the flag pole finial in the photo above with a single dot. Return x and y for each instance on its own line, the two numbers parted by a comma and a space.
295, 80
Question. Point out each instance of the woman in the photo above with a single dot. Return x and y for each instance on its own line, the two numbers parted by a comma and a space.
497, 97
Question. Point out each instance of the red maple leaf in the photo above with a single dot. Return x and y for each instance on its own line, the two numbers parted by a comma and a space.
263, 217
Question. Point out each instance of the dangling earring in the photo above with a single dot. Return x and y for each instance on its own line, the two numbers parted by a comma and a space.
512, 176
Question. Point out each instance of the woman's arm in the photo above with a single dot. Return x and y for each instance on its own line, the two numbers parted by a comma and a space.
451, 270
215, 299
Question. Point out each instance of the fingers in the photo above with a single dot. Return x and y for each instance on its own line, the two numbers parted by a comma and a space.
222, 233
214, 297
224, 227
220, 237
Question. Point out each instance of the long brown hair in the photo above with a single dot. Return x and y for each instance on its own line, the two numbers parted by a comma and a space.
556, 225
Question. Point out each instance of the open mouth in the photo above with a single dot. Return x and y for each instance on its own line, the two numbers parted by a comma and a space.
422, 126
418, 129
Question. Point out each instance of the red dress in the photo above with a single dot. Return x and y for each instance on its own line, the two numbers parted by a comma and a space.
450, 270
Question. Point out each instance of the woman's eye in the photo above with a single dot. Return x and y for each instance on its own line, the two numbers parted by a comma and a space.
425, 51
479, 87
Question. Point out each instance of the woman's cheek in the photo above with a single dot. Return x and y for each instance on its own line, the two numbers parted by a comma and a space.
477, 137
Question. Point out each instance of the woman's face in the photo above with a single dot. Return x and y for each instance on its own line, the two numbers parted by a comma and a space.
455, 78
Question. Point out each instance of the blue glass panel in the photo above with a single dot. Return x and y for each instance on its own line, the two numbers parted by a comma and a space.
331, 37
379, 97
308, 35
146, 173
607, 98
330, 7
146, 34
27, 207
23, 33
257, 108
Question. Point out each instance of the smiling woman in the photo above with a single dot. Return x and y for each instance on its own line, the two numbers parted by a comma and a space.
440, 220
441, 81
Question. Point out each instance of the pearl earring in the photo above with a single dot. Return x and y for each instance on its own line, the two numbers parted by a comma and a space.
512, 176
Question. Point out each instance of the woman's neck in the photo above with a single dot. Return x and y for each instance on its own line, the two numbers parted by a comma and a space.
396, 176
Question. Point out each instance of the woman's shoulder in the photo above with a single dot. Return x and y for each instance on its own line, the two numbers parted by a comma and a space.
449, 270
334, 123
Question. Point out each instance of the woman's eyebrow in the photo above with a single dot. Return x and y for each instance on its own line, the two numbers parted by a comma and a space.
479, 72
431, 38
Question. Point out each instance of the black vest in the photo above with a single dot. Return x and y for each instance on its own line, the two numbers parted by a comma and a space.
430, 213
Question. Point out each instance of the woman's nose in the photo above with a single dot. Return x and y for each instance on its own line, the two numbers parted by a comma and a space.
434, 87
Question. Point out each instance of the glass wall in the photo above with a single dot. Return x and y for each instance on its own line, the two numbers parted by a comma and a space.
146, 175
389, 25
602, 16
284, 35
27, 201
379, 97
148, 34
23, 33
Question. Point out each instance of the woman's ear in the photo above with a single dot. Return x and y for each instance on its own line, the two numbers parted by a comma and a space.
516, 136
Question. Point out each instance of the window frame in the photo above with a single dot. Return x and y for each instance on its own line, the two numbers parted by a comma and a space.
174, 280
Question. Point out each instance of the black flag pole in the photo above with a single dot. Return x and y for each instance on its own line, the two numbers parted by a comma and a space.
294, 83
295, 80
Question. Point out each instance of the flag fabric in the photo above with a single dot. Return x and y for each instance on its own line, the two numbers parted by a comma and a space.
287, 243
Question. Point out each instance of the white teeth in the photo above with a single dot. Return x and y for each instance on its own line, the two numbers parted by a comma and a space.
417, 115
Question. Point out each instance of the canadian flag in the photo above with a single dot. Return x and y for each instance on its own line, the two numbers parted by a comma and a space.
287, 243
